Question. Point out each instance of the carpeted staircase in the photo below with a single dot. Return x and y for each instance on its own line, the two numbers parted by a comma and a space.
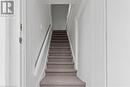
60, 71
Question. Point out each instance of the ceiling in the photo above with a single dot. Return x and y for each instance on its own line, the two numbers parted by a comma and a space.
58, 1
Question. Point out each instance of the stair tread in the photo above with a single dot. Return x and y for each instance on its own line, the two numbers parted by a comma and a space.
60, 57
68, 54
60, 51
60, 63
61, 70
53, 47
62, 80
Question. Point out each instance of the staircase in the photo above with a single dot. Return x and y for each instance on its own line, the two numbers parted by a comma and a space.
60, 70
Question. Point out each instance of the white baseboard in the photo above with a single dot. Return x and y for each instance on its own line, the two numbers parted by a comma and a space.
44, 54
46, 59
74, 57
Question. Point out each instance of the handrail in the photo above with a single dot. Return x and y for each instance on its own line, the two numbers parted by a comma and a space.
42, 45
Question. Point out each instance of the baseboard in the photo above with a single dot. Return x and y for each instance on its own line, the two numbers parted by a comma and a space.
74, 57
46, 59
41, 65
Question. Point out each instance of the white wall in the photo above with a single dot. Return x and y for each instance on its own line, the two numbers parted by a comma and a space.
93, 65
59, 16
91, 42
118, 43
91, 34
10, 49
38, 20
71, 26
13, 47
2, 51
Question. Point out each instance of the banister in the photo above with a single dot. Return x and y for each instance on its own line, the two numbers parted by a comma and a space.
42, 45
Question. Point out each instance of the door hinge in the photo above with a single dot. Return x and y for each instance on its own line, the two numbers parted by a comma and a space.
20, 40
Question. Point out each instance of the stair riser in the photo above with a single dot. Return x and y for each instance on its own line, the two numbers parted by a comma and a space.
55, 37
59, 42
59, 38
60, 66
59, 52
51, 49
62, 86
67, 47
60, 57
57, 31
59, 35
61, 74
59, 60
59, 45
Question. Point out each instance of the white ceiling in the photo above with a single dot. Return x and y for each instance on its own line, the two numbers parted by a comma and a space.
58, 1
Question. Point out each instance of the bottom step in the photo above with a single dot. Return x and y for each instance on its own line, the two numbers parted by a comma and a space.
62, 86
62, 81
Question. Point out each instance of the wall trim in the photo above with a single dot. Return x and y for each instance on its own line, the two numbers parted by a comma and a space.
105, 48
76, 43
23, 54
36, 68
74, 58
42, 75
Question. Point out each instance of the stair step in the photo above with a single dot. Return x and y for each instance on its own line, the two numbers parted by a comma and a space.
57, 72
60, 47
59, 33
62, 81
67, 54
62, 86
58, 41
59, 44
59, 59
60, 36
60, 70
59, 30
59, 52
60, 65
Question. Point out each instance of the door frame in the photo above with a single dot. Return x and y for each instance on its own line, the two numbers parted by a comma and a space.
23, 15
